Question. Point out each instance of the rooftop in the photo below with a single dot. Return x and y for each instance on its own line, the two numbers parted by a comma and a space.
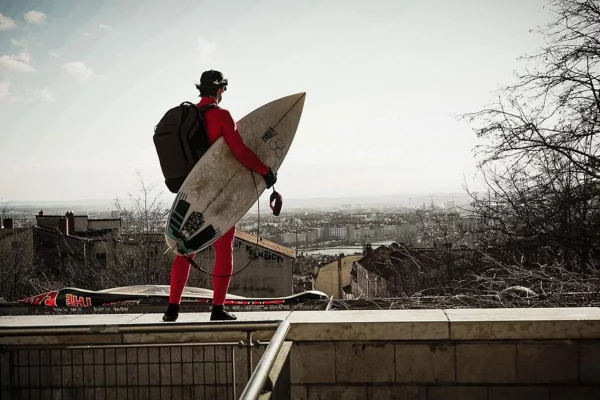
382, 261
267, 244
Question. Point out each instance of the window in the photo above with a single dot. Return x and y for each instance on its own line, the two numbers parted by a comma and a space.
101, 258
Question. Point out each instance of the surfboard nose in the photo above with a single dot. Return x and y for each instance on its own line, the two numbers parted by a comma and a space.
300, 95
299, 98
286, 103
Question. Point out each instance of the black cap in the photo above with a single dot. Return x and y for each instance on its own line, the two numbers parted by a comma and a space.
213, 78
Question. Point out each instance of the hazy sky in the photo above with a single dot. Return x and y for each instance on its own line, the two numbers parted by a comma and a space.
83, 83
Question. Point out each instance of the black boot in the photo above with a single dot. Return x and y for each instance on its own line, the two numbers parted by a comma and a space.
219, 314
172, 313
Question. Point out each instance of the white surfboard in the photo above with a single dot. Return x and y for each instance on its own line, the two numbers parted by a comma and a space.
219, 191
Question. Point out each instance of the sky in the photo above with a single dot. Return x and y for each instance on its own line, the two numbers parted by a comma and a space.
83, 83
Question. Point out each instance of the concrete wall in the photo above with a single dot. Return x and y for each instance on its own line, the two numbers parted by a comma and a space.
103, 224
80, 224
454, 354
269, 275
327, 279
368, 285
47, 221
402, 354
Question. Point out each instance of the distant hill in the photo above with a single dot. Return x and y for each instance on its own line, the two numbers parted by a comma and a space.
103, 203
404, 200
51, 207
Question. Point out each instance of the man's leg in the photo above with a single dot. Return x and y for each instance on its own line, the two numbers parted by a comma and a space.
221, 275
180, 273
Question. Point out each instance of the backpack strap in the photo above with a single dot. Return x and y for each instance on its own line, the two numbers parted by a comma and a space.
208, 107
186, 107
200, 112
200, 144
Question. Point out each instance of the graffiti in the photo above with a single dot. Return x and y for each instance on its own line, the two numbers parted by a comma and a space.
261, 253
264, 254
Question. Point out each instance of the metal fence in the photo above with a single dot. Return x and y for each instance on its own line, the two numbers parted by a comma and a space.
192, 370
158, 371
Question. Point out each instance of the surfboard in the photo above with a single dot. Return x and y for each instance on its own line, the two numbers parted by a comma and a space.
219, 190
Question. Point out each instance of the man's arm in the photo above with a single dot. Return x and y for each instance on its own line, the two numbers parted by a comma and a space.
239, 149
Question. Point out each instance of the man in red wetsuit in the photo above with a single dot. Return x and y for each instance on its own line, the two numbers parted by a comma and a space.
218, 123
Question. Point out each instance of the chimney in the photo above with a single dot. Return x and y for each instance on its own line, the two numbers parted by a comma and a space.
71, 221
63, 226
8, 223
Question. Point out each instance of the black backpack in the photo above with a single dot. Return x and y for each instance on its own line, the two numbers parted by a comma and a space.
180, 139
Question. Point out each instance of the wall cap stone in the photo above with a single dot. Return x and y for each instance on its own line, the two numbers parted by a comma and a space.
360, 325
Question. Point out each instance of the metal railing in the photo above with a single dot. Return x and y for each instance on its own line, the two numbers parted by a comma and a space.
203, 370
259, 378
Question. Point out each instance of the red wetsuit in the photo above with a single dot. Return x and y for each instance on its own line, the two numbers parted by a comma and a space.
218, 123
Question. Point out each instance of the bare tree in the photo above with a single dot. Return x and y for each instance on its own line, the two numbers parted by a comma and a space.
5, 208
540, 156
140, 255
17, 272
147, 211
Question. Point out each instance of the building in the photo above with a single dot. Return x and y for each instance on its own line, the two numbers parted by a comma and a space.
312, 235
80, 225
73, 241
377, 273
41, 256
367, 232
352, 233
301, 237
269, 274
331, 278
449, 205
93, 254
288, 237
338, 232
378, 230
401, 269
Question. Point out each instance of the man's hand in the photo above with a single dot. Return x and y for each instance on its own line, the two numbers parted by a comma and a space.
270, 178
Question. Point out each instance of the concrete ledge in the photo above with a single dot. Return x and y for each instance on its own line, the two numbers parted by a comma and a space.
22, 321
122, 328
519, 323
368, 325
383, 354
315, 326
